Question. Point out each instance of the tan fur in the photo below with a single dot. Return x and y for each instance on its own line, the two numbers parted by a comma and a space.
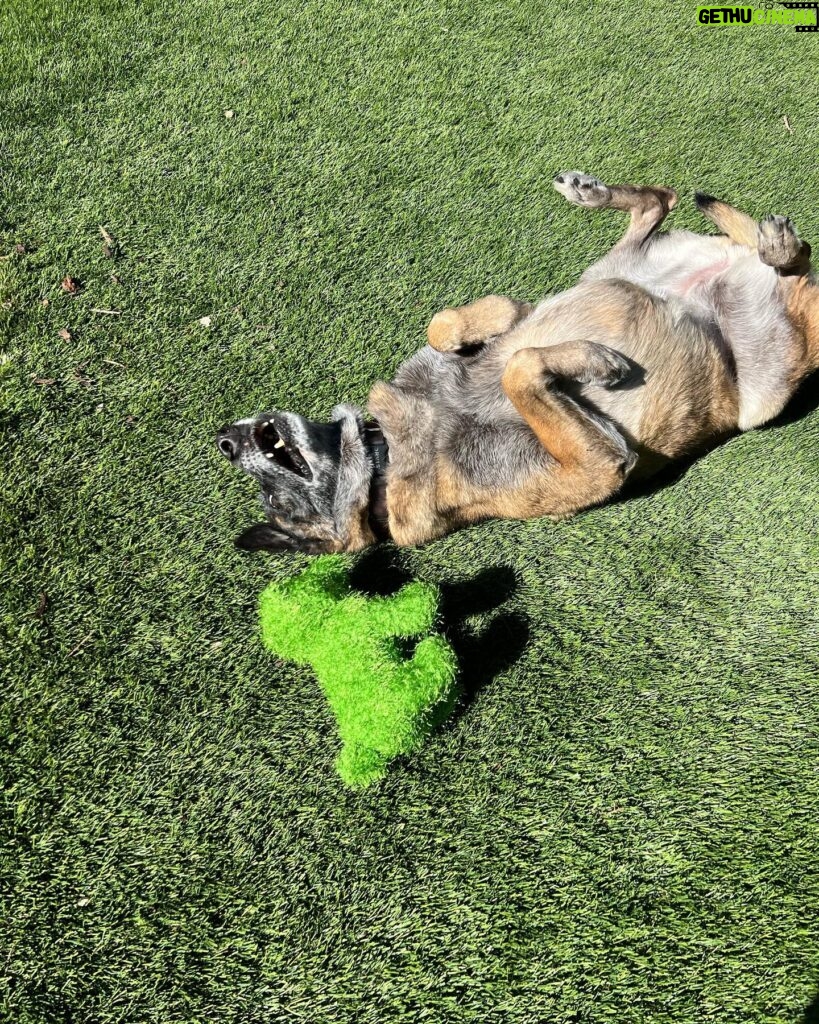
739, 227
482, 319
360, 534
589, 466
648, 208
689, 395
413, 498
803, 312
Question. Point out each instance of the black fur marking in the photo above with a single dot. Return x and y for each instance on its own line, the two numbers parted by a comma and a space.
264, 537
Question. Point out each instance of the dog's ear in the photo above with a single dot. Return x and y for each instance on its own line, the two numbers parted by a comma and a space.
264, 537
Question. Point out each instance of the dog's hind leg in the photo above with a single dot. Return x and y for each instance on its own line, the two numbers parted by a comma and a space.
780, 247
648, 205
592, 458
738, 226
462, 328
774, 238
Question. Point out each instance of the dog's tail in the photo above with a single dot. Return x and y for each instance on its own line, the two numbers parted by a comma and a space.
739, 227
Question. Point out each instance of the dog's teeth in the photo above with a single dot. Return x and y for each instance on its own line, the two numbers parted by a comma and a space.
268, 455
279, 444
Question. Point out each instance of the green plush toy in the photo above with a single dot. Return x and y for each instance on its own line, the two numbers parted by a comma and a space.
385, 703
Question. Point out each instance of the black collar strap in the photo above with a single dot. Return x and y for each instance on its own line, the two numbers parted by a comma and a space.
379, 453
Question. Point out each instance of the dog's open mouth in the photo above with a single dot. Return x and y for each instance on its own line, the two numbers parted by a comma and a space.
274, 447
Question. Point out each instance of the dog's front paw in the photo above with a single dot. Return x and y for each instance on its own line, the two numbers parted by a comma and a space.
582, 189
447, 331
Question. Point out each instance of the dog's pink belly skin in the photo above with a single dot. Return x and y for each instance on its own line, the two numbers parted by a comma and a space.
704, 276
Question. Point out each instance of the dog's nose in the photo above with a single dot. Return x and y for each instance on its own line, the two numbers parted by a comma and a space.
227, 441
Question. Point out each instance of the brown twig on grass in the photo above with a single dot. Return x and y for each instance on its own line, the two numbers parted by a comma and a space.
77, 647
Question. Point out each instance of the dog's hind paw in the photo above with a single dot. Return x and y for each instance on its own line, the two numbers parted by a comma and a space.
582, 189
604, 368
777, 242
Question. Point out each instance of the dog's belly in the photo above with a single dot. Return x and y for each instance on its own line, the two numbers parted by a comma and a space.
449, 420
718, 283
674, 264
681, 388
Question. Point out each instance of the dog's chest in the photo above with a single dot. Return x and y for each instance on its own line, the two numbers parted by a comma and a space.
447, 415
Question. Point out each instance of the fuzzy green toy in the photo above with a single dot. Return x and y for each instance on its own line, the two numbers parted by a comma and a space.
385, 703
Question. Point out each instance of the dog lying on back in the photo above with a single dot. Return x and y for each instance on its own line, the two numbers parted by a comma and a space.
667, 345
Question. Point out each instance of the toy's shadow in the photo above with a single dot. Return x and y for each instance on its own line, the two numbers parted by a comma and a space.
481, 656
812, 1013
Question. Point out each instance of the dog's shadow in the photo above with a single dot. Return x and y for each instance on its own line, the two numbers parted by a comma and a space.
481, 655
804, 402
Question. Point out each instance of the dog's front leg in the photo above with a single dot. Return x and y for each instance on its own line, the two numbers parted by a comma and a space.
647, 204
461, 329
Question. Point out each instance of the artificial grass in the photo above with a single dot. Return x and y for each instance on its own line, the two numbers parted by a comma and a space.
387, 699
621, 824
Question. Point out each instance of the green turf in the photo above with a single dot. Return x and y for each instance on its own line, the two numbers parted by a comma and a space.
623, 823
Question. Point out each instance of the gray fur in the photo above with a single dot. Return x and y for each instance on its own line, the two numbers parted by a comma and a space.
455, 404
354, 468
314, 513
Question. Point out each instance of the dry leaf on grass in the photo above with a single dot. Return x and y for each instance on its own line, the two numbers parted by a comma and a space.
110, 249
204, 321
44, 382
65, 334
71, 285
230, 114
80, 376
42, 604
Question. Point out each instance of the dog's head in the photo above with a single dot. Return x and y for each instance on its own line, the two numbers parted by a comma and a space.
314, 479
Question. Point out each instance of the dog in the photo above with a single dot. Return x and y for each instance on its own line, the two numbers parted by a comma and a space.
666, 346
